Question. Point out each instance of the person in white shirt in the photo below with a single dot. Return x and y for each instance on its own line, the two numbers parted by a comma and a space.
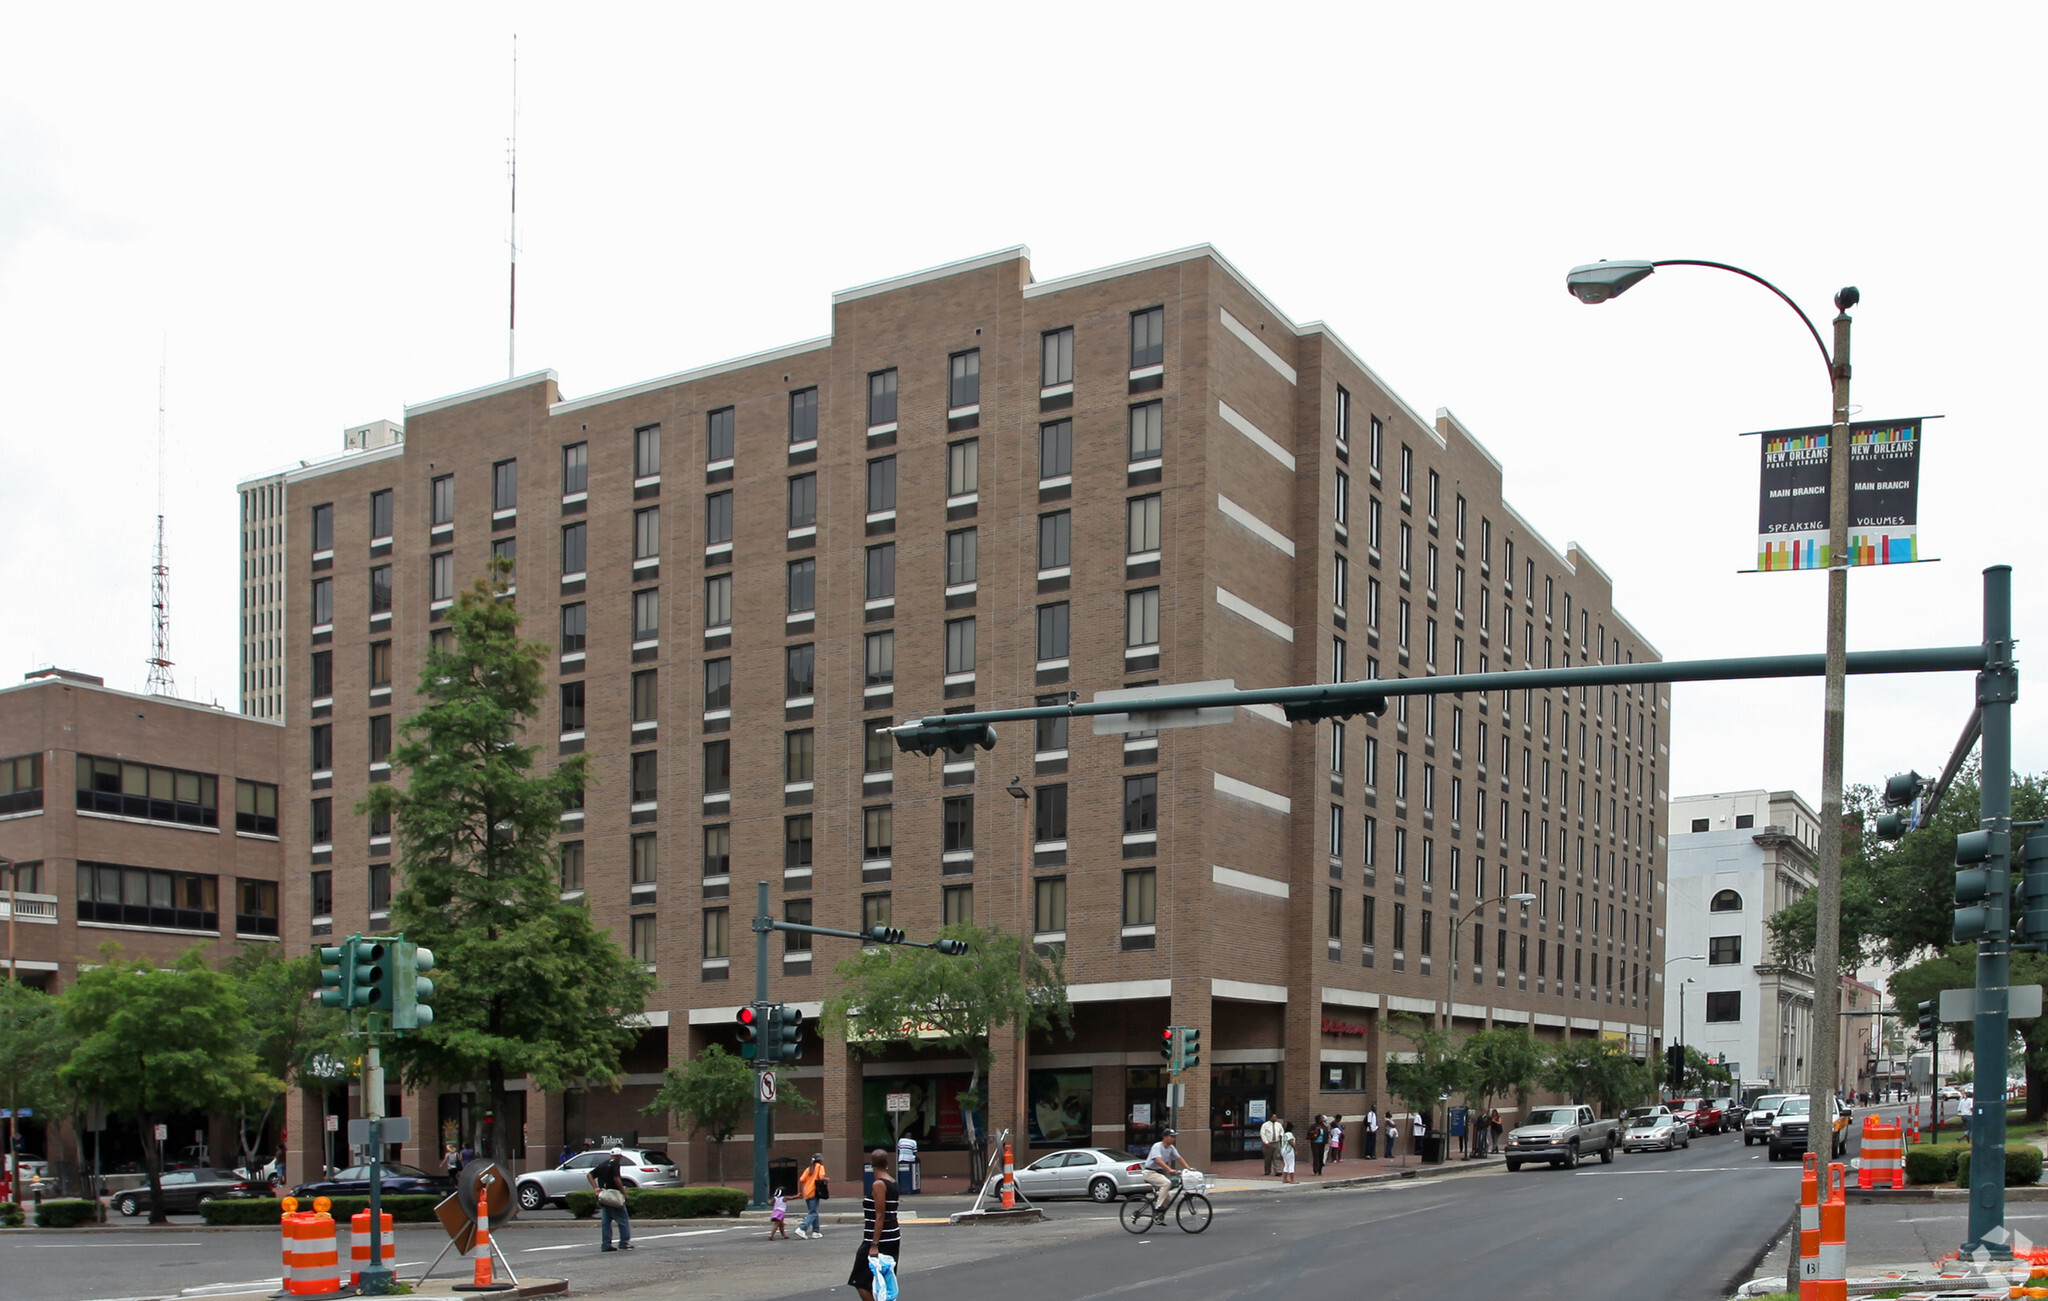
1269, 1141
1161, 1163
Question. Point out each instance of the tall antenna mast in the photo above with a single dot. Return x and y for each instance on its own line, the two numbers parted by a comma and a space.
512, 159
160, 683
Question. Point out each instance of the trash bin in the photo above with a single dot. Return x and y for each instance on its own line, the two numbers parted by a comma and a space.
1432, 1149
782, 1174
909, 1180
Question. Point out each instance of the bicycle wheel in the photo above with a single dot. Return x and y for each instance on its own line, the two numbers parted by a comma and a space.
1137, 1216
1193, 1213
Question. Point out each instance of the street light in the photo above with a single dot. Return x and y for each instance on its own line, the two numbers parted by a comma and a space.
1457, 927
1021, 1098
1596, 282
1668, 962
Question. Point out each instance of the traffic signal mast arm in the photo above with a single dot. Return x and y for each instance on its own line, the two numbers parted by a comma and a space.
876, 935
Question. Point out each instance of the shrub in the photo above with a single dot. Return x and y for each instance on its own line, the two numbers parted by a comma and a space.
1933, 1163
408, 1208
10, 1215
67, 1212
667, 1203
2022, 1166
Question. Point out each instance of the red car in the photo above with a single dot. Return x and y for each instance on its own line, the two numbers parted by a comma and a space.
1701, 1114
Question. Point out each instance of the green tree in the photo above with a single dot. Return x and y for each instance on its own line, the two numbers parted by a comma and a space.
711, 1095
1956, 968
1430, 1071
1600, 1072
525, 985
154, 1041
34, 1045
1699, 1077
288, 1031
891, 995
1499, 1063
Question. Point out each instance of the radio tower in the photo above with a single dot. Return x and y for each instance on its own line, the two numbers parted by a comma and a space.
160, 683
512, 238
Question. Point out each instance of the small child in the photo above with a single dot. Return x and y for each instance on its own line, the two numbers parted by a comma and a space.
778, 1213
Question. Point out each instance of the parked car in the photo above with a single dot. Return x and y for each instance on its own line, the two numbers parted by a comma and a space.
1561, 1135
1646, 1127
1790, 1126
1096, 1173
1756, 1122
400, 1180
640, 1168
1950, 1093
185, 1191
1702, 1114
1732, 1112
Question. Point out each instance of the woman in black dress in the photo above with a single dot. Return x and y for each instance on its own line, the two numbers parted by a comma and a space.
880, 1234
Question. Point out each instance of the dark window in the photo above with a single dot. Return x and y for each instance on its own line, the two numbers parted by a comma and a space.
960, 646
797, 912
958, 823
1343, 414
646, 856
1700, 824
380, 887
141, 896
881, 571
881, 484
256, 808
1148, 337
1725, 1005
803, 416
718, 601
323, 527
647, 614
803, 501
1141, 617
718, 519
572, 627
256, 907
574, 549
803, 586
575, 468
718, 684
646, 451
507, 551
796, 841
1401, 927
322, 821
799, 666
323, 674
1724, 950
380, 738
647, 533
717, 767
443, 499
1049, 905
380, 514
571, 865
799, 755
956, 905
1334, 923
880, 659
878, 748
380, 664
1141, 804
876, 910
878, 833
572, 706
717, 850
1051, 732
1056, 357
1055, 540
380, 590
882, 397
1056, 449
963, 564
646, 784
322, 757
646, 695
323, 602
963, 467
964, 379
718, 436
505, 486
1141, 534
1744, 821
323, 894
140, 790
1148, 424
1052, 631
1141, 897
441, 576
1049, 815
1726, 901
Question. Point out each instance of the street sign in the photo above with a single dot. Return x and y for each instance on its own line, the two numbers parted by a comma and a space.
767, 1086
397, 1129
333, 1123
896, 1102
2023, 1003
24, 1113
163, 1132
1158, 720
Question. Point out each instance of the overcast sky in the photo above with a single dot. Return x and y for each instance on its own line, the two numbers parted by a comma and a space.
305, 213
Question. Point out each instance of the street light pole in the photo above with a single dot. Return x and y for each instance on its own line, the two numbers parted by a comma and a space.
1457, 928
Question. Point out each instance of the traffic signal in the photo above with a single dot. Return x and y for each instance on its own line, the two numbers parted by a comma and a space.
1981, 901
1902, 796
1166, 1042
1190, 1047
1329, 706
335, 964
951, 948
411, 990
2034, 887
376, 974
1674, 1067
885, 935
749, 1019
1930, 1028
956, 737
785, 1034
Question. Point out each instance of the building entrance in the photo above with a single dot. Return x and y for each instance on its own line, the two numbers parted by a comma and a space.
1241, 1098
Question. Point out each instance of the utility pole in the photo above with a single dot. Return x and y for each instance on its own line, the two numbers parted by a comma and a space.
1997, 687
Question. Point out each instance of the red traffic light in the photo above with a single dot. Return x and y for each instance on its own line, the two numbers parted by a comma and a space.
747, 1017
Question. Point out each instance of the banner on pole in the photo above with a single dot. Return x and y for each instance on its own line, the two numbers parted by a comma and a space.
1884, 495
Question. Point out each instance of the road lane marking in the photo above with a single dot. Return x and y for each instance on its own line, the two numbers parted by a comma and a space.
686, 1233
567, 1246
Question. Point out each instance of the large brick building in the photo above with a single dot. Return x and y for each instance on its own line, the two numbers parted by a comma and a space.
983, 490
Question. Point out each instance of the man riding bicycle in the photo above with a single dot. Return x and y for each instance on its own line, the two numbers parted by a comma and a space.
1161, 1163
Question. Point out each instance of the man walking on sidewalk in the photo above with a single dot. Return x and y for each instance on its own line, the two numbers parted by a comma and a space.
1269, 1142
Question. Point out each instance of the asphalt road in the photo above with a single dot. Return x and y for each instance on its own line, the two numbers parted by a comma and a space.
1682, 1225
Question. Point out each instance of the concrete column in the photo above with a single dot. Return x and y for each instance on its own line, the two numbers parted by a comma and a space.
839, 1117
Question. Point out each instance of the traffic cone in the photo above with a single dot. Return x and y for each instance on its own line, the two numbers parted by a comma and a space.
1809, 1231
1833, 1282
1009, 1178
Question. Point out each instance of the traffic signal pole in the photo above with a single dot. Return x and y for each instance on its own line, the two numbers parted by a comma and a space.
1997, 688
764, 1111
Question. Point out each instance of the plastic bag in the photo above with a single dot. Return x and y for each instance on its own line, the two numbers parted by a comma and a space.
883, 1267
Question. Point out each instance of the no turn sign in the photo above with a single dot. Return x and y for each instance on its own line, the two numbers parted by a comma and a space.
767, 1086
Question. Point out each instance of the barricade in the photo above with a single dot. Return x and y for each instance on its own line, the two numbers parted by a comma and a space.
1833, 1283
311, 1265
1883, 1158
1913, 1124
359, 1244
1809, 1231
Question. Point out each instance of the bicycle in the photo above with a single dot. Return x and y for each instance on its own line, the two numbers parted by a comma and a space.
1191, 1210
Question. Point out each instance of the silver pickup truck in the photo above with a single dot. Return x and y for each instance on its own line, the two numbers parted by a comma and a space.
1561, 1135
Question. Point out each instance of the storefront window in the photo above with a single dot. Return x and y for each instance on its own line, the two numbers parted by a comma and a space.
1062, 1108
1240, 1099
934, 1118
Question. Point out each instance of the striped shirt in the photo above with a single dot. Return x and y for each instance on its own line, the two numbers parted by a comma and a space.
892, 1235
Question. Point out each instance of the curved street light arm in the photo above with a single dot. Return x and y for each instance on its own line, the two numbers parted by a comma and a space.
1826, 359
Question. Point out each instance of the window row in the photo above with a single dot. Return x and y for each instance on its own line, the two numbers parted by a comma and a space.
115, 894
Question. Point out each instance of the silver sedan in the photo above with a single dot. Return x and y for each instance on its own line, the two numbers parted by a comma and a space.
1665, 1131
1096, 1173
641, 1168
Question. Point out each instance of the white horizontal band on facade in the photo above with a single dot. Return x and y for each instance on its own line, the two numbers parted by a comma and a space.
1550, 1020
1585, 1023
1237, 880
1252, 614
1402, 1003
1470, 1011
1614, 1027
1350, 997
1115, 991
1512, 1015
1248, 992
1246, 1056
1258, 347
654, 1020
1259, 795
1346, 1055
1257, 527
1253, 432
